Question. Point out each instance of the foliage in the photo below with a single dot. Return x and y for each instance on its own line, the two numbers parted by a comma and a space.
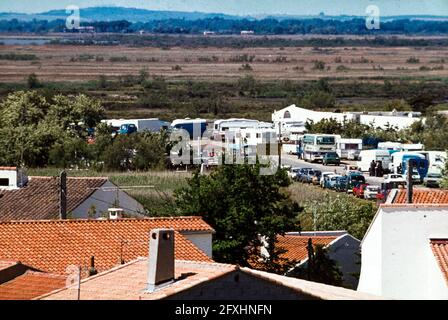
241, 205
36, 132
319, 267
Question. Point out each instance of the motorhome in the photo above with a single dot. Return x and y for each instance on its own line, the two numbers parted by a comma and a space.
367, 156
349, 148
313, 147
194, 127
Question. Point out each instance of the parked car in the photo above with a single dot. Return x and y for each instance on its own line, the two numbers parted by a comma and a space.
302, 172
432, 180
293, 172
308, 176
331, 158
372, 192
316, 177
358, 190
395, 179
350, 168
323, 176
341, 184
331, 181
354, 179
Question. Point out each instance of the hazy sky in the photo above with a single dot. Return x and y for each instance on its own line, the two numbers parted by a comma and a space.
244, 7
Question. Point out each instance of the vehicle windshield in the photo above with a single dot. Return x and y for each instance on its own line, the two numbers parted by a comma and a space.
358, 178
332, 155
373, 188
434, 175
396, 176
325, 140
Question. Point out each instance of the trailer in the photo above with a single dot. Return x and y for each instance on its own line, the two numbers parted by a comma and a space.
151, 125
349, 148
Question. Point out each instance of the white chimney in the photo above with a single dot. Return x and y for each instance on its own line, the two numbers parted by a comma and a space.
12, 178
115, 213
161, 258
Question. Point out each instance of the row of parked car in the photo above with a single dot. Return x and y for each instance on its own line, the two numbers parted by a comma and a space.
352, 181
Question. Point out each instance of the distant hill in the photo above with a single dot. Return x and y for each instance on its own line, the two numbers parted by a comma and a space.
142, 15
118, 13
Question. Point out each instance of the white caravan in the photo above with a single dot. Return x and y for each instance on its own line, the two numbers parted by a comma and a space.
366, 157
349, 148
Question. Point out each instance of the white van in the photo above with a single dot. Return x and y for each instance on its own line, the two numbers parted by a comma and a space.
366, 157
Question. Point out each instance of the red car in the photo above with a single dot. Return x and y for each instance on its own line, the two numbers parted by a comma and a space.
358, 191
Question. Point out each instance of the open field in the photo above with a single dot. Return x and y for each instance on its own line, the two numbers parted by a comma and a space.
83, 63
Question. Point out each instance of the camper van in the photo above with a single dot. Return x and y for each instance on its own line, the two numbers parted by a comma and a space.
349, 148
366, 157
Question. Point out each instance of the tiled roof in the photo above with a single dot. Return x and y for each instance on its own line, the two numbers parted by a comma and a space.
422, 196
39, 199
296, 246
53, 245
128, 282
5, 264
440, 249
31, 285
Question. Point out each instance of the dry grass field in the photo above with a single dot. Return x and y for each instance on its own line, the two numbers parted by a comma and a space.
81, 63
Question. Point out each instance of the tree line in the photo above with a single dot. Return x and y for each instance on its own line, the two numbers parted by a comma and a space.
220, 25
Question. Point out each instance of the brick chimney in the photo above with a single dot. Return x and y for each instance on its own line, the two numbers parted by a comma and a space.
161, 258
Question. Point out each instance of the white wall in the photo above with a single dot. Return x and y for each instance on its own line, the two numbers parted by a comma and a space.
345, 251
382, 121
371, 264
106, 200
400, 242
202, 240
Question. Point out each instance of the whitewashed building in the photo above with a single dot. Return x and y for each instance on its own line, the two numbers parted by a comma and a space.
405, 250
294, 114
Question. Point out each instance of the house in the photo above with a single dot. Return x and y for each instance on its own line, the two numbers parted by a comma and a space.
20, 282
37, 198
161, 276
405, 250
342, 248
53, 246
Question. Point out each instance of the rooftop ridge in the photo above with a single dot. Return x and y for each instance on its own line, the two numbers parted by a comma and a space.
59, 221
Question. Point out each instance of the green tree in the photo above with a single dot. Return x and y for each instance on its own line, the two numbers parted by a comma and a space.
241, 205
32, 81
319, 267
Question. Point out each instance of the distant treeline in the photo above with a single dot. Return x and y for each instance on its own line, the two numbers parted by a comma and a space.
229, 26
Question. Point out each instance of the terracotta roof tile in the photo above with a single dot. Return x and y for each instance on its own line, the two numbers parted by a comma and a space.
128, 282
296, 246
31, 285
39, 199
53, 245
440, 249
422, 196
5, 264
